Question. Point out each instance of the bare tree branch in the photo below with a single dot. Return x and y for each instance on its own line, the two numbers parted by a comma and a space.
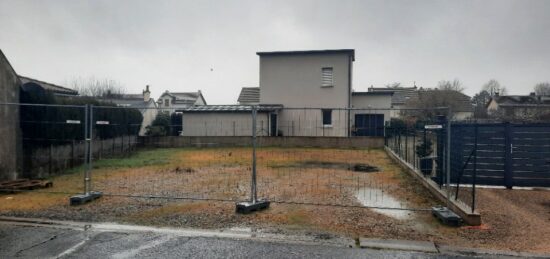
493, 87
454, 85
95, 87
542, 88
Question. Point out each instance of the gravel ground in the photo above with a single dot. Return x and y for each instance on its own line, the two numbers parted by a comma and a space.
516, 220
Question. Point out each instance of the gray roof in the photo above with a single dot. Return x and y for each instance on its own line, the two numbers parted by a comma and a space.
522, 100
48, 86
249, 95
350, 52
129, 100
463, 104
229, 108
400, 94
372, 93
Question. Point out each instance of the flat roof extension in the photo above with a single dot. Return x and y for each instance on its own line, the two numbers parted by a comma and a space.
350, 52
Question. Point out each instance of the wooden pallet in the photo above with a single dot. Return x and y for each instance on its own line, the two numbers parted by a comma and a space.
24, 184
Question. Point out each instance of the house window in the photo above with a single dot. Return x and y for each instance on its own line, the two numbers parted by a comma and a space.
326, 77
327, 117
166, 102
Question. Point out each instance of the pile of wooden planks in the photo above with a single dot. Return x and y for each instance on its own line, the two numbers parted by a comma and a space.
24, 184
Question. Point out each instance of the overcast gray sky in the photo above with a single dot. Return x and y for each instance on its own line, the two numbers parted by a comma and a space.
211, 45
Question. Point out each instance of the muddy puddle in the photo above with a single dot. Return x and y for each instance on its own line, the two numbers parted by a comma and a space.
383, 203
330, 165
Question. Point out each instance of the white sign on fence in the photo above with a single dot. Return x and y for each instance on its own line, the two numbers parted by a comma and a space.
102, 122
433, 126
73, 122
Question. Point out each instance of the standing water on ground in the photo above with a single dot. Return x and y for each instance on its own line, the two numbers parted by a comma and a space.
384, 203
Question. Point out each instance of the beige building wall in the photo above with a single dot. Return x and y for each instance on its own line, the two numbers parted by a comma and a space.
295, 80
309, 122
372, 104
224, 124
149, 116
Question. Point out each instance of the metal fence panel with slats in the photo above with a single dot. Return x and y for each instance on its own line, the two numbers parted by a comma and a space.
507, 154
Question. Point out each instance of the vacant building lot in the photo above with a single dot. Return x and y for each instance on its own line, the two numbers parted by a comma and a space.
321, 192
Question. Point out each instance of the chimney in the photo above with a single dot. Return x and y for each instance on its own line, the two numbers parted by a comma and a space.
146, 94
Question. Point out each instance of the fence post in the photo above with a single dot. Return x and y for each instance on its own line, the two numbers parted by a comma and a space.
414, 148
475, 170
448, 158
88, 136
90, 124
254, 204
72, 153
406, 145
253, 194
86, 149
50, 159
508, 174
100, 154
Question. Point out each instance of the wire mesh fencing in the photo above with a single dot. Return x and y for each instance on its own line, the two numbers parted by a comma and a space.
433, 150
43, 141
213, 153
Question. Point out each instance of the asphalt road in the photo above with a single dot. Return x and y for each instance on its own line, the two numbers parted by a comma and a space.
32, 241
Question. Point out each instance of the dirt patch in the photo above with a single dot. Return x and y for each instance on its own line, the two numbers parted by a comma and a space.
216, 178
329, 165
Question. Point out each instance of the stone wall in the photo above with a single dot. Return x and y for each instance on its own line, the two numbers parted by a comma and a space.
10, 134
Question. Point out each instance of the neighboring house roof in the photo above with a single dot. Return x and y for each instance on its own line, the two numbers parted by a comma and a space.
130, 102
230, 108
372, 93
185, 97
49, 86
521, 100
463, 102
350, 52
400, 94
249, 95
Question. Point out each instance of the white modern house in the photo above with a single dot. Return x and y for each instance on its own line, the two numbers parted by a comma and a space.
171, 101
300, 93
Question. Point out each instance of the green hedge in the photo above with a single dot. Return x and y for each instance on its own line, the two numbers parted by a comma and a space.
45, 125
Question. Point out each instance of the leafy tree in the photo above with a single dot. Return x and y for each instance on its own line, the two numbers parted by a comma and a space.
45, 125
480, 101
160, 126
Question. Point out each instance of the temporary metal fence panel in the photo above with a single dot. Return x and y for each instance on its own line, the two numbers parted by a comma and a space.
427, 146
336, 176
104, 140
50, 141
174, 173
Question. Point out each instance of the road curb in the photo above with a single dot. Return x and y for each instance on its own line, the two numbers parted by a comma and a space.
445, 249
392, 244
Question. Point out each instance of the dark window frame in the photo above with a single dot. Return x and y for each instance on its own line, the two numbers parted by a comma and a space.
326, 115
